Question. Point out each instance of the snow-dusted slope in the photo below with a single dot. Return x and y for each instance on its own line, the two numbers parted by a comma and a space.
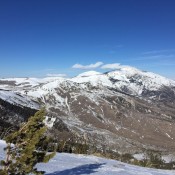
114, 107
94, 80
17, 99
22, 91
126, 79
26, 82
137, 80
74, 164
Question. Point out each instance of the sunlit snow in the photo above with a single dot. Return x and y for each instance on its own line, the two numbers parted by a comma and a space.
75, 164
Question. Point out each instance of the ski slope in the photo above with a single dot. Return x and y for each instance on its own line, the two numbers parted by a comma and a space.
75, 164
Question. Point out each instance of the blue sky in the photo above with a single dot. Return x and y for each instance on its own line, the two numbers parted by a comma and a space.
40, 37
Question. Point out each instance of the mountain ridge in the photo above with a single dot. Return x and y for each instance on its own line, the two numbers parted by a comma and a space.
127, 108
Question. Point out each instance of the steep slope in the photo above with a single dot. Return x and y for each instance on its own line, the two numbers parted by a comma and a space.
141, 83
11, 115
17, 99
125, 110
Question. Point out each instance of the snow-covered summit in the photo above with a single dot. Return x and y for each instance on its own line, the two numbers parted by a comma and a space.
125, 78
96, 101
128, 71
137, 80
127, 68
94, 78
88, 73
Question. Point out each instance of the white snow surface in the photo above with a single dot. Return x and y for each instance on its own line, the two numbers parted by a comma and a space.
76, 164
122, 75
135, 80
15, 98
31, 81
150, 80
88, 73
95, 80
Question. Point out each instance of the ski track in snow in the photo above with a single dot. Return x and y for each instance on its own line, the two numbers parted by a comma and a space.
76, 164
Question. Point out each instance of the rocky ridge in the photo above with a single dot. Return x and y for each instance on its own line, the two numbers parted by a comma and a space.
126, 109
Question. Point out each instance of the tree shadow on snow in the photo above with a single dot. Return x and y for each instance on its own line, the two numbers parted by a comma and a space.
80, 170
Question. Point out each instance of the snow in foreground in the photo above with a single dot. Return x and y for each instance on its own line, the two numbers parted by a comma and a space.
73, 164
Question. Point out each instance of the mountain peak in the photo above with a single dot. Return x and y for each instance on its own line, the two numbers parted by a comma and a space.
89, 73
126, 103
126, 70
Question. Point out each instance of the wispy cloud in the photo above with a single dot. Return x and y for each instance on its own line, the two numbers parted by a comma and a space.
56, 75
111, 66
154, 57
90, 66
158, 51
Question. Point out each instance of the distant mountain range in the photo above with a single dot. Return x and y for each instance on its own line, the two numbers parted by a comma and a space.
126, 110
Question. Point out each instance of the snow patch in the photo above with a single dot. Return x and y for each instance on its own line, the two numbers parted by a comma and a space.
49, 121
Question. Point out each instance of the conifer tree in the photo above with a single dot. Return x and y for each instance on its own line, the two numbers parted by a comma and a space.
27, 147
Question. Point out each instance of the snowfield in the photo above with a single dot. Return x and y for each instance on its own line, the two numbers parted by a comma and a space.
75, 164
15, 98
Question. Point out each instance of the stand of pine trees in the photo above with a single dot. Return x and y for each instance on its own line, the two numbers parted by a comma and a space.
27, 147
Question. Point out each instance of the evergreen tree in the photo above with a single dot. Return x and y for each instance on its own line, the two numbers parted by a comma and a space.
27, 147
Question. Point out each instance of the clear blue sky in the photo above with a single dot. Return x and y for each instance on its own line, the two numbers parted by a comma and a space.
40, 37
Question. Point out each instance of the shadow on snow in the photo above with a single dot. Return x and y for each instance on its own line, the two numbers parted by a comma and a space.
80, 170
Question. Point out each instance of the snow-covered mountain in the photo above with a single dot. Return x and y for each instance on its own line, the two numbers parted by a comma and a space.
126, 79
126, 109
